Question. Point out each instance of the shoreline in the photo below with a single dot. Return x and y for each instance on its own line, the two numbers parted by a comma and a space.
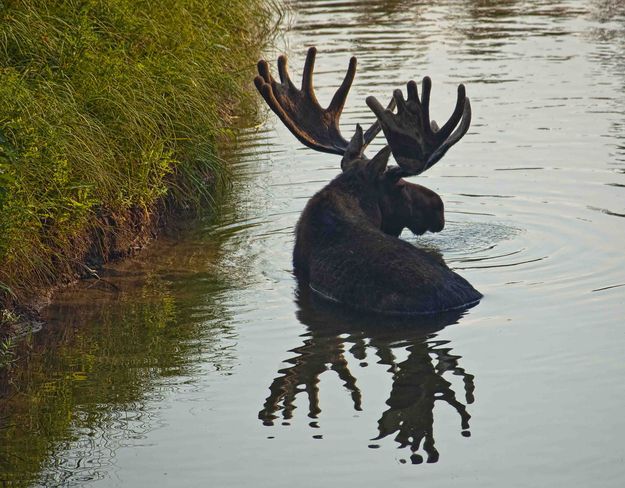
158, 125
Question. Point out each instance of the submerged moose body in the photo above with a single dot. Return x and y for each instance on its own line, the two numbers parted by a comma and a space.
347, 247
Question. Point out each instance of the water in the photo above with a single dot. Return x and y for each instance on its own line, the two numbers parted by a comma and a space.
199, 364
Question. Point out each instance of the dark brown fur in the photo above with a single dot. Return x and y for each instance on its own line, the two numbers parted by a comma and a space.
343, 253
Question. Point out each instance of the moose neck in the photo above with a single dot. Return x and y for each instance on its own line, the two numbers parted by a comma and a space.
347, 207
358, 198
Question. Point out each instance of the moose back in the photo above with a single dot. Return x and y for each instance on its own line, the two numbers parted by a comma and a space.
347, 246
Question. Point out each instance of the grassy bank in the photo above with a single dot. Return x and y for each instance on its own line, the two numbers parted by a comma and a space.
110, 110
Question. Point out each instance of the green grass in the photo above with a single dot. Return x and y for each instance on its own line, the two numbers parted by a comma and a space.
109, 108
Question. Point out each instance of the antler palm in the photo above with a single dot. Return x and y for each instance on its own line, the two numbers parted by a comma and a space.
299, 110
417, 143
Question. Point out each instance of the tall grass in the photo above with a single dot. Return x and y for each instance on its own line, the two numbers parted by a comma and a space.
106, 108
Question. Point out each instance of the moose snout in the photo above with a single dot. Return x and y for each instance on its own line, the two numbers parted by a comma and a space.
438, 222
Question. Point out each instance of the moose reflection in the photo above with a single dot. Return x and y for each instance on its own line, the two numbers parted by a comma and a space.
418, 382
346, 245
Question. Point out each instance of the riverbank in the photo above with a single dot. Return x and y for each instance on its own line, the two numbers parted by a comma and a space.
110, 119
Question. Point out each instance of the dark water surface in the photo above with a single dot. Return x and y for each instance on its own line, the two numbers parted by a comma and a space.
196, 364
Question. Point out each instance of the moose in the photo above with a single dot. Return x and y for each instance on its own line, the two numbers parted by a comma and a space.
347, 246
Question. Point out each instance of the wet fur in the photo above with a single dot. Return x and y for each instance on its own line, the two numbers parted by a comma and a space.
346, 248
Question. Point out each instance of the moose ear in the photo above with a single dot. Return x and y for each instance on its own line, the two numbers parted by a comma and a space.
354, 149
377, 166
394, 174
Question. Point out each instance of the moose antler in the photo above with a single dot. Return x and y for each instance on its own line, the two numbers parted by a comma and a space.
300, 112
416, 142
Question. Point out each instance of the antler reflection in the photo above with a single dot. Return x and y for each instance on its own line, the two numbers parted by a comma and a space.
417, 385
418, 382
315, 356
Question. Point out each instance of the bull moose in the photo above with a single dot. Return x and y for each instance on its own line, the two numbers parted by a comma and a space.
347, 245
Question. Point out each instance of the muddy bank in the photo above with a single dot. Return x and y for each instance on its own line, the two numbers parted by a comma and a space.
100, 144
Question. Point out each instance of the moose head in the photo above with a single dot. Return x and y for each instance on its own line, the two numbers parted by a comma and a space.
417, 143
346, 239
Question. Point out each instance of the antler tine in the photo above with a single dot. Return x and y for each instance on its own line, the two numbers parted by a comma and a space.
445, 131
416, 142
455, 137
307, 74
339, 98
375, 128
283, 72
263, 71
426, 89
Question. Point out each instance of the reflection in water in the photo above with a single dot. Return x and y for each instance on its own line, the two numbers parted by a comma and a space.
417, 382
113, 349
170, 369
